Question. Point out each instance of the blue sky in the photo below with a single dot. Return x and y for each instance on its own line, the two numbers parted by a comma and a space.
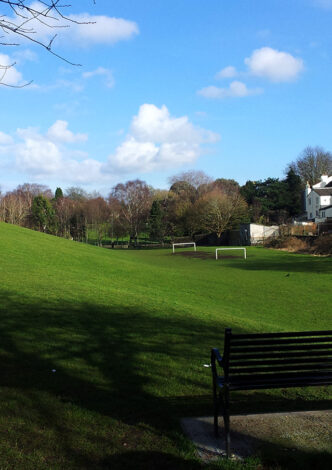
237, 89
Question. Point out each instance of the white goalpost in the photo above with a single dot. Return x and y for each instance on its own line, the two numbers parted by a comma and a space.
182, 244
237, 248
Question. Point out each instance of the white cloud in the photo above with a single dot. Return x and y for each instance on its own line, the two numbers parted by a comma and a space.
59, 132
235, 90
83, 29
5, 139
45, 155
156, 141
276, 66
38, 156
103, 30
227, 72
101, 71
159, 141
9, 75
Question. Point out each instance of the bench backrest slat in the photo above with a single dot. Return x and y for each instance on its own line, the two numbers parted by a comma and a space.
281, 335
270, 357
288, 341
300, 347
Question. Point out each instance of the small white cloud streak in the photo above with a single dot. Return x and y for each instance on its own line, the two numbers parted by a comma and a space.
101, 71
274, 65
235, 90
227, 72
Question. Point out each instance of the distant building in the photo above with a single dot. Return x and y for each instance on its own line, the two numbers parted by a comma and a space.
255, 234
318, 200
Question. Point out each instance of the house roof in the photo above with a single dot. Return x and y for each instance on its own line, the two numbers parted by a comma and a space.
323, 191
325, 207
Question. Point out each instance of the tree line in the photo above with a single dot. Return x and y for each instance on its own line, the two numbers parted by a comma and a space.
194, 203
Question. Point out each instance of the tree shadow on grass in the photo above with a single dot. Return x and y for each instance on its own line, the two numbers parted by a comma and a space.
286, 262
80, 381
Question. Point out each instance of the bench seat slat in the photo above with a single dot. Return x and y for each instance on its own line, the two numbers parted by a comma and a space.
295, 384
282, 354
252, 378
277, 368
275, 361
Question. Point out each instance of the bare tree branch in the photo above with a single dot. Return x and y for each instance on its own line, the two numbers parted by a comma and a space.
48, 13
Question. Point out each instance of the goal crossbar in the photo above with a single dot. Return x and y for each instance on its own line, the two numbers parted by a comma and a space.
182, 244
237, 248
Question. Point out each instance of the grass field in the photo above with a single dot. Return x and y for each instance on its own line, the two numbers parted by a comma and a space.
102, 351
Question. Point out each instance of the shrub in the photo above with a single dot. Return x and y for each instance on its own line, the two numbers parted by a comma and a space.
291, 244
272, 242
322, 245
295, 245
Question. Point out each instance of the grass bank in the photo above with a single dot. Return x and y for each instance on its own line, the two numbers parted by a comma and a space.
102, 351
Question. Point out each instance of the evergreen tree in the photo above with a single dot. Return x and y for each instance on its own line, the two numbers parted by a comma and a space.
42, 213
156, 225
293, 193
58, 193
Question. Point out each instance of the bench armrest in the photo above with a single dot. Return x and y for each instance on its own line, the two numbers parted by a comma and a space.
215, 355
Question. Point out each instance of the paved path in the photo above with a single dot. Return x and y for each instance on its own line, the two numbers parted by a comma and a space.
303, 430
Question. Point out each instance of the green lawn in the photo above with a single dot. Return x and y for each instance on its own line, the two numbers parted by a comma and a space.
127, 333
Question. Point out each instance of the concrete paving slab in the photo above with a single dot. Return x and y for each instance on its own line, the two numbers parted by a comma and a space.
307, 430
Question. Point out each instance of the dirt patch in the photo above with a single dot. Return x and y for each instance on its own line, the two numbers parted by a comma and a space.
202, 255
194, 254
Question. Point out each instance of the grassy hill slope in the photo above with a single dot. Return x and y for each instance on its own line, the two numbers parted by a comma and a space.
102, 351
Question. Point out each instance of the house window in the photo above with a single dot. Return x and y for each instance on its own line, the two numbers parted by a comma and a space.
317, 213
309, 202
310, 215
323, 214
317, 200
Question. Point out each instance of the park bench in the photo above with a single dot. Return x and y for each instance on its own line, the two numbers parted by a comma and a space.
268, 360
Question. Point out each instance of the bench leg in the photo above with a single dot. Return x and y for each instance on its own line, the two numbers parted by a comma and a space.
216, 400
226, 423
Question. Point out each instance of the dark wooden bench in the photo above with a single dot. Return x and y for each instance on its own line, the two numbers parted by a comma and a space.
268, 360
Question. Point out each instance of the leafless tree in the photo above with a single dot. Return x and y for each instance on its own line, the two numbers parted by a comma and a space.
98, 215
193, 177
227, 186
312, 163
15, 206
21, 20
135, 201
218, 211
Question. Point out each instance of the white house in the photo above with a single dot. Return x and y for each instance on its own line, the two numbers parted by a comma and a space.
318, 200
